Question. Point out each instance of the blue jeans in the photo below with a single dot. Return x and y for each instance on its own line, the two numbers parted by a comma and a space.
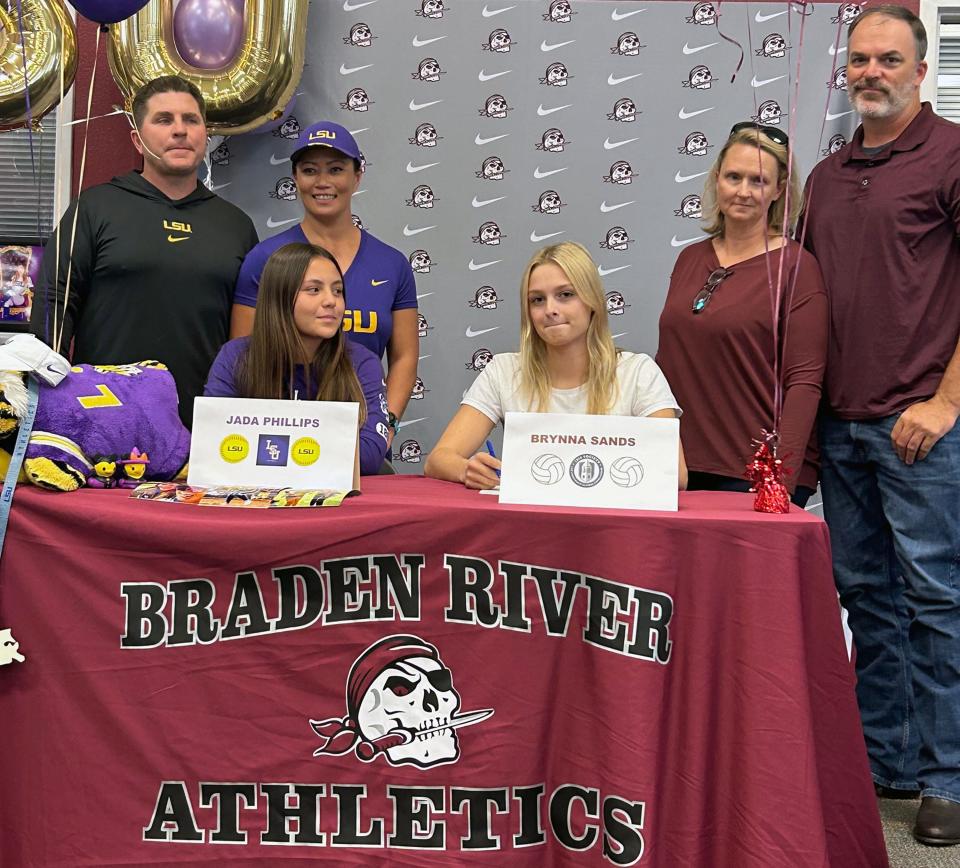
895, 534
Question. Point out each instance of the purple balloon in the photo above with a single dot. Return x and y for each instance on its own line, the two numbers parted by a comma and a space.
108, 11
208, 33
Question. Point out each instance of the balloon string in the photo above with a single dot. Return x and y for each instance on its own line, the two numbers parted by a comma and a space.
731, 40
76, 212
26, 93
57, 203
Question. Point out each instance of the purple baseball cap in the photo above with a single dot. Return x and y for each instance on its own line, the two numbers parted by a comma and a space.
327, 134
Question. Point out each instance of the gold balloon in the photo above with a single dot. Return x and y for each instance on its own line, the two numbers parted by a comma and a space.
49, 41
250, 90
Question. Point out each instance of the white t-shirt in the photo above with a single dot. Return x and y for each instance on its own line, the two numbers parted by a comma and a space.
642, 389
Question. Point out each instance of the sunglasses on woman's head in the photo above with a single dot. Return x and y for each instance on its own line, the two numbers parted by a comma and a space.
702, 298
772, 133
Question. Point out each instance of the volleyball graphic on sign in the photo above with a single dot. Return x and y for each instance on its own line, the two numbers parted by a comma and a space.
547, 469
626, 472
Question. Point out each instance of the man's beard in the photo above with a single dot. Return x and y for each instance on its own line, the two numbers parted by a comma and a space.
892, 102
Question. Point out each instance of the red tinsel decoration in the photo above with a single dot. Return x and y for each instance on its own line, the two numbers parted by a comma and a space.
765, 474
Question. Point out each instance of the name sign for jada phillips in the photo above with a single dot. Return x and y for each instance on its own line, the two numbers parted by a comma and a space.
557, 459
273, 444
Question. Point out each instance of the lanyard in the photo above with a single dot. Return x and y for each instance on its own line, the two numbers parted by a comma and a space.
16, 459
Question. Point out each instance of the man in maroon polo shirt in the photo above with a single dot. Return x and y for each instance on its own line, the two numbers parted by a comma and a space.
883, 217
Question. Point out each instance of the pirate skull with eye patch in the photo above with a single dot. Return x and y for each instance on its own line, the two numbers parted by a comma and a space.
220, 156
422, 326
496, 106
691, 206
621, 172
361, 35
695, 145
357, 100
489, 233
485, 298
425, 136
428, 70
701, 78
481, 358
553, 140
289, 129
840, 79
769, 112
556, 75
492, 169
410, 451
420, 261
847, 13
617, 238
431, 8
560, 11
422, 197
774, 45
624, 110
356, 221
499, 40
286, 189
418, 389
704, 13
628, 44
549, 202
615, 303
836, 142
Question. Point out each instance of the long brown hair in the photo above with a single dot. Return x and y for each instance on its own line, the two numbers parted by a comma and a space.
267, 369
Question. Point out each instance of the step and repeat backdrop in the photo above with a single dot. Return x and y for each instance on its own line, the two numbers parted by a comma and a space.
491, 128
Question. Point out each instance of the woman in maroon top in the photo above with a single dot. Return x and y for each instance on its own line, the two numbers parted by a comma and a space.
716, 329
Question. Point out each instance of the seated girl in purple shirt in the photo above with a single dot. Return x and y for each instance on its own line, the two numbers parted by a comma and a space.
297, 349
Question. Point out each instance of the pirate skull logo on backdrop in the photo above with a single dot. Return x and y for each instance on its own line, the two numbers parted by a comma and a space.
493, 129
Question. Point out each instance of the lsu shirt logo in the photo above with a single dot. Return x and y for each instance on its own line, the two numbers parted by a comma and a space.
176, 226
353, 321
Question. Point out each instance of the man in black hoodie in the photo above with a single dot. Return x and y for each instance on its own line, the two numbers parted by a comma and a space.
155, 255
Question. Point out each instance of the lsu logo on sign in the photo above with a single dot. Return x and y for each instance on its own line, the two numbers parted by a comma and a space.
176, 226
272, 450
353, 321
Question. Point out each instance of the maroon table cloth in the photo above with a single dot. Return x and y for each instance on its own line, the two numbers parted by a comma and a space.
424, 677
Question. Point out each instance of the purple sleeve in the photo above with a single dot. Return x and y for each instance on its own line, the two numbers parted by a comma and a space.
406, 295
373, 434
220, 380
248, 280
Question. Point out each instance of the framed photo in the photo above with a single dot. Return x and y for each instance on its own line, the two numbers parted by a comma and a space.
19, 274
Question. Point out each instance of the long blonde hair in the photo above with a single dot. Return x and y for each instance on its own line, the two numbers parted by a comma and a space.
776, 215
581, 270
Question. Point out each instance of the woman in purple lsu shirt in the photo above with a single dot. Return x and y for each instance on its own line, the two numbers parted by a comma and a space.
299, 328
382, 316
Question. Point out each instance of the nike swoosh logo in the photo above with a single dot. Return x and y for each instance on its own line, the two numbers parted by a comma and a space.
835, 51
476, 266
606, 209
489, 13
479, 203
619, 335
412, 168
419, 43
612, 80
273, 224
832, 117
419, 296
603, 272
412, 421
274, 161
538, 174
216, 187
416, 106
347, 70
544, 112
349, 7
764, 81
408, 231
678, 242
546, 46
378, 282
609, 146
471, 333
681, 178
688, 50
484, 76
173, 239
760, 17
481, 141
427, 356
684, 114
536, 239
619, 16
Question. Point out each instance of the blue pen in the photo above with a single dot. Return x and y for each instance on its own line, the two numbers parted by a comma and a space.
493, 454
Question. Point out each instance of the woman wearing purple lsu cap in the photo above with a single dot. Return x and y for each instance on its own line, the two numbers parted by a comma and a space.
327, 168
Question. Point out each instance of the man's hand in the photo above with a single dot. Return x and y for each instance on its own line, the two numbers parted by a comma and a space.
481, 471
920, 426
